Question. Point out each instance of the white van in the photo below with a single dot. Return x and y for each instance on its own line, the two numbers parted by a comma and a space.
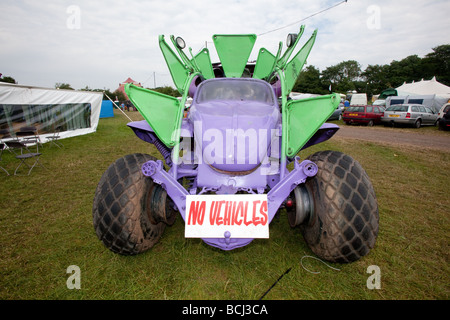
358, 99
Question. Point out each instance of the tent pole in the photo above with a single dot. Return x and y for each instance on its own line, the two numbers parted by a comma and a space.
117, 106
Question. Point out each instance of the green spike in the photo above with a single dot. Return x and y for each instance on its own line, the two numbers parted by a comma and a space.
233, 52
182, 55
304, 117
160, 111
294, 67
264, 64
281, 63
203, 62
178, 70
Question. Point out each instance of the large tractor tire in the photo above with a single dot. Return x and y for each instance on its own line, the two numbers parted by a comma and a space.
123, 205
344, 224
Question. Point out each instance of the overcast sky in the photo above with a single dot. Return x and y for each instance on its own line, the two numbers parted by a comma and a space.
101, 43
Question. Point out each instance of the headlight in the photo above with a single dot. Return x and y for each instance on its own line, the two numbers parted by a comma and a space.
180, 43
290, 40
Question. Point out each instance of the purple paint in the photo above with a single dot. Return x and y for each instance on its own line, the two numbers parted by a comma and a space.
230, 145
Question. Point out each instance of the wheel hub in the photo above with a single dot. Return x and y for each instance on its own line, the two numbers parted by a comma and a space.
159, 208
303, 208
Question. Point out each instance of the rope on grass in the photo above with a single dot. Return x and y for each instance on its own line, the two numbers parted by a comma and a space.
301, 262
316, 272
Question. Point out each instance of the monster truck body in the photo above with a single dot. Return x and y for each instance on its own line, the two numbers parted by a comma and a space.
226, 158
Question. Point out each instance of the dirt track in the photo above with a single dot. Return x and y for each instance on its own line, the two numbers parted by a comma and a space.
397, 136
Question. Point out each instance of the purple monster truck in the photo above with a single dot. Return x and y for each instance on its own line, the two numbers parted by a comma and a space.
226, 157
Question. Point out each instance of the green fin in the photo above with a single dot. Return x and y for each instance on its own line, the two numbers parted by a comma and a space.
233, 52
294, 67
159, 110
264, 64
203, 62
178, 70
281, 63
304, 118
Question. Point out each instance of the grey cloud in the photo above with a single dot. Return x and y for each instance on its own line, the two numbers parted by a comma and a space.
118, 39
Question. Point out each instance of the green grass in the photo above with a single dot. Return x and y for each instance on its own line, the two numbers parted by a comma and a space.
46, 226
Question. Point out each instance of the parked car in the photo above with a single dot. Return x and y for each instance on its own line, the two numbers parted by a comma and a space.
443, 110
337, 114
369, 115
380, 102
444, 122
409, 114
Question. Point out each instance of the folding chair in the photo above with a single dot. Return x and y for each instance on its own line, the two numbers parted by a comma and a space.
29, 128
5, 134
24, 156
2, 147
29, 135
54, 139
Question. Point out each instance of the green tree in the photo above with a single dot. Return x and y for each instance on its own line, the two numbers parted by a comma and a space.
119, 95
309, 82
106, 92
347, 75
408, 69
168, 90
66, 86
343, 76
7, 79
437, 63
376, 78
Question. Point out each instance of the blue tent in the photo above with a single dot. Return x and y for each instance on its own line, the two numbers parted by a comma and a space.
107, 109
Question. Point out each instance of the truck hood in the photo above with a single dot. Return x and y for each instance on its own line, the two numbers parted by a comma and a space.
234, 136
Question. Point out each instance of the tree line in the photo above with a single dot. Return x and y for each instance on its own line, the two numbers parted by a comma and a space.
106, 92
343, 77
348, 75
117, 94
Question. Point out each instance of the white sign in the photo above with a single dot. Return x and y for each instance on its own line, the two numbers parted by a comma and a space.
220, 216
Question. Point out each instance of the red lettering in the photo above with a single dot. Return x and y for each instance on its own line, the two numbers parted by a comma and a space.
263, 211
255, 220
219, 219
228, 207
232, 212
245, 215
212, 213
197, 212
236, 213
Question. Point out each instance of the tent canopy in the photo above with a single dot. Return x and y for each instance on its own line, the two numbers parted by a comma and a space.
423, 87
433, 101
107, 109
430, 93
68, 111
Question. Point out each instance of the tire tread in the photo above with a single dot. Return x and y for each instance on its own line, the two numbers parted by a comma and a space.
345, 226
119, 207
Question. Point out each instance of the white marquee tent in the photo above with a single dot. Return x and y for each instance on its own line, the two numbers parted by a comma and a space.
423, 87
430, 93
70, 112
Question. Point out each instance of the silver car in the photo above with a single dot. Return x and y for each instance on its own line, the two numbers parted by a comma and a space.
410, 114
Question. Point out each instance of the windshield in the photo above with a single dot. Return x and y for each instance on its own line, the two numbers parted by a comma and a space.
355, 109
235, 90
398, 108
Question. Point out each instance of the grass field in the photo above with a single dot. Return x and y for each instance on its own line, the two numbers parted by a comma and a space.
46, 226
